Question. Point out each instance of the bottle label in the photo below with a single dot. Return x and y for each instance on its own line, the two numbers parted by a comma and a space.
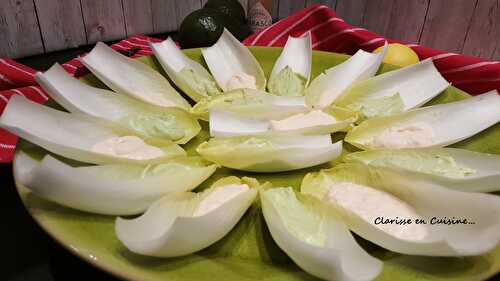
258, 17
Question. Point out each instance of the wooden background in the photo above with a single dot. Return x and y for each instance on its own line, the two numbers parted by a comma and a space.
29, 27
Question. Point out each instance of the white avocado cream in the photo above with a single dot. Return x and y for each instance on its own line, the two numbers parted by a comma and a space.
408, 136
369, 204
241, 80
219, 196
131, 147
303, 120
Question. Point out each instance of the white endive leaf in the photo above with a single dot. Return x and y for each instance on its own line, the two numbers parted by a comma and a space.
328, 86
143, 119
190, 76
251, 103
131, 77
415, 85
71, 135
450, 167
432, 126
292, 70
456, 223
270, 153
228, 124
233, 65
315, 240
174, 226
115, 189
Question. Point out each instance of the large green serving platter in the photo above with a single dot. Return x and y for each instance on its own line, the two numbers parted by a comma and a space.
248, 251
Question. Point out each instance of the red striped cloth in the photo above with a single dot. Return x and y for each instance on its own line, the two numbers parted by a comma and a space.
329, 33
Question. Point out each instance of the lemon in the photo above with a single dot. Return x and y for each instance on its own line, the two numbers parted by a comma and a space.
398, 54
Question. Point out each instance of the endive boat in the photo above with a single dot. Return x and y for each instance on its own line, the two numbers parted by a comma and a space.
233, 65
81, 137
183, 223
131, 77
112, 189
450, 167
143, 119
190, 76
407, 214
292, 70
431, 126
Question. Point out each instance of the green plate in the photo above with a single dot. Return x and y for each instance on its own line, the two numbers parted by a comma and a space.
248, 252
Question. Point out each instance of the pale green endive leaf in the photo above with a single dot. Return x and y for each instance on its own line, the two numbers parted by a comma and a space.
383, 106
315, 240
173, 227
328, 86
292, 69
72, 135
432, 126
228, 58
228, 124
450, 167
415, 85
190, 76
251, 103
477, 232
270, 153
113, 189
145, 120
131, 77
287, 83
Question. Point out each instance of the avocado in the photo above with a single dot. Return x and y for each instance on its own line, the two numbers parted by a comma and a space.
203, 27
231, 8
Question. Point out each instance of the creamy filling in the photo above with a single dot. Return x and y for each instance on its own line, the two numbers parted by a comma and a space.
219, 196
441, 165
374, 206
201, 84
407, 136
241, 80
303, 120
131, 147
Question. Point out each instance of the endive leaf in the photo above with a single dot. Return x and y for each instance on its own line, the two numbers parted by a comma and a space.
414, 85
143, 119
190, 76
233, 65
251, 103
384, 106
450, 167
270, 153
174, 225
316, 241
316, 122
437, 125
328, 86
292, 70
131, 77
456, 223
287, 83
115, 189
73, 135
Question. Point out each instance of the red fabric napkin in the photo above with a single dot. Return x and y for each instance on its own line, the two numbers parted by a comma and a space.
329, 33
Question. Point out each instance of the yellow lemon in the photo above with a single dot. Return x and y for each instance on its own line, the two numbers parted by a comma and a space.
398, 54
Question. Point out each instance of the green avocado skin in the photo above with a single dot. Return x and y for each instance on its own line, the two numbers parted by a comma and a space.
203, 27
231, 8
